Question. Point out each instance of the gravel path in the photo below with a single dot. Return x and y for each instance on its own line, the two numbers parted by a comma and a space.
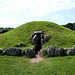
36, 59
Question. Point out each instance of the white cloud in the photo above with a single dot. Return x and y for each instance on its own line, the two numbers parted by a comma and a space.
10, 22
38, 7
56, 17
26, 9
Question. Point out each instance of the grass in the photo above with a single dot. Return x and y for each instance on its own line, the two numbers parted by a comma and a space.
59, 35
13, 65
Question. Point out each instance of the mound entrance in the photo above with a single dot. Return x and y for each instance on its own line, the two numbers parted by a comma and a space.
38, 40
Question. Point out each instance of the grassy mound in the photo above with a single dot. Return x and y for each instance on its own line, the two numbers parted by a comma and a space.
59, 35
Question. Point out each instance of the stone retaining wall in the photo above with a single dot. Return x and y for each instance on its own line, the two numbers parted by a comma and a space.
51, 51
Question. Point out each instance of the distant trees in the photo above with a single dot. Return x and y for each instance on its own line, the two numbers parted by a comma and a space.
70, 26
3, 30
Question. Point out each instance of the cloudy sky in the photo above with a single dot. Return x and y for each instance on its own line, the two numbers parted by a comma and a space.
14, 13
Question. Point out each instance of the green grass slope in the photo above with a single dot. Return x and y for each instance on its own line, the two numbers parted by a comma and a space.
59, 35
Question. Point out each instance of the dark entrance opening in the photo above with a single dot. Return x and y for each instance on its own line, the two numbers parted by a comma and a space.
38, 39
38, 44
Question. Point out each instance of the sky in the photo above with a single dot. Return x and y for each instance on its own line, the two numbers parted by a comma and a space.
14, 13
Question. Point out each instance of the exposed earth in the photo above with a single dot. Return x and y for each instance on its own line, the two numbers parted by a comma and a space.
37, 59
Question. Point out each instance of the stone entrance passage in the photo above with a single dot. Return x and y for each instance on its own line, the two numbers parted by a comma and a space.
38, 40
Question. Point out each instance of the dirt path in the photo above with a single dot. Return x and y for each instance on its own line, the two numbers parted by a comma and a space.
36, 59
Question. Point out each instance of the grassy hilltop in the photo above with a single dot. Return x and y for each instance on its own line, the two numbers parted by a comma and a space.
59, 35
